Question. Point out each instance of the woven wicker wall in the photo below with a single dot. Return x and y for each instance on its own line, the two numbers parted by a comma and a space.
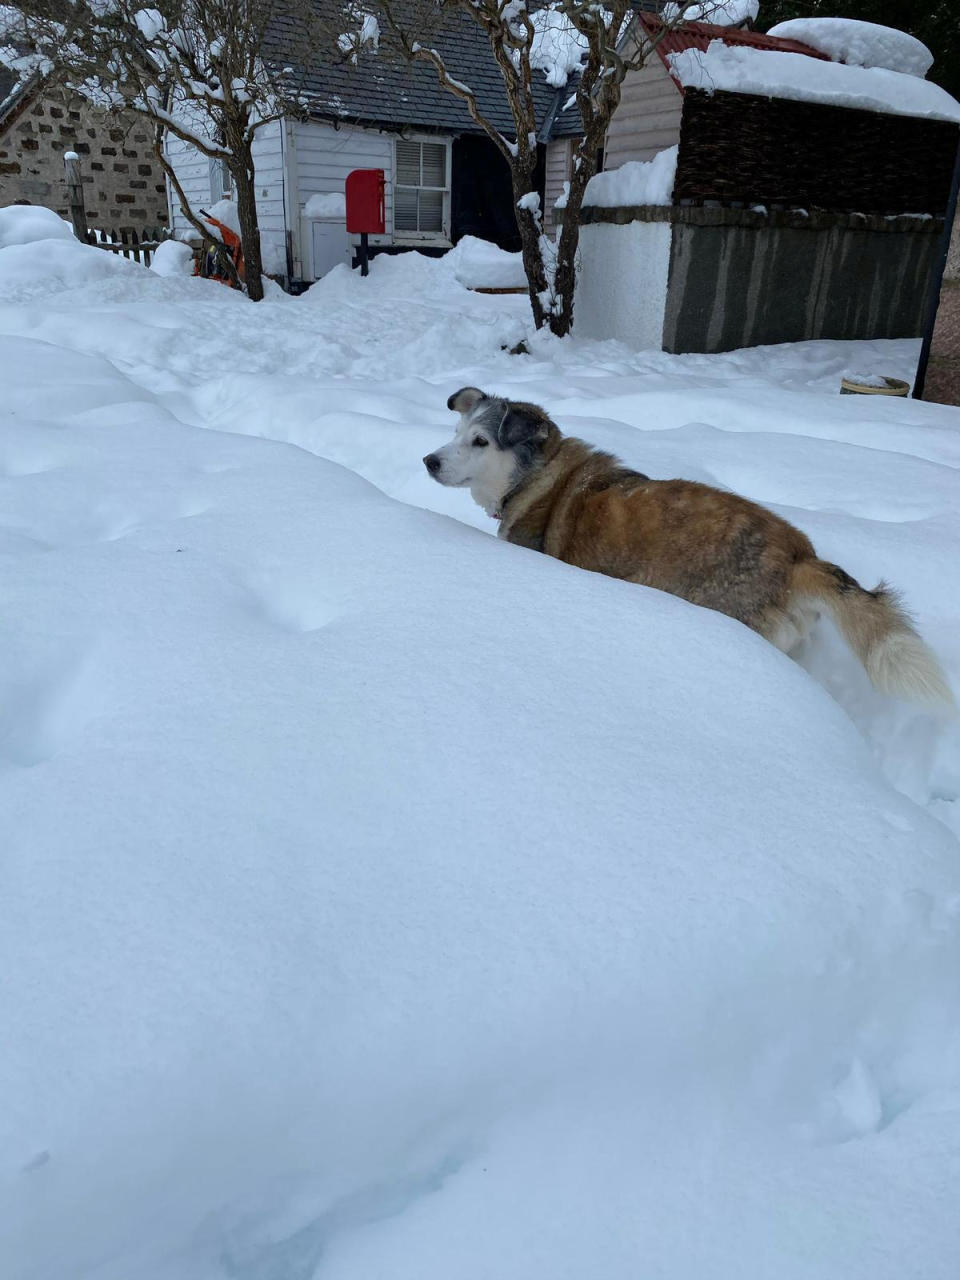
737, 147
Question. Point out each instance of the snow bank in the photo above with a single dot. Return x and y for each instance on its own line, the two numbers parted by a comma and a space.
381, 899
861, 44
636, 182
47, 267
478, 264
171, 258
331, 204
806, 79
720, 13
26, 224
413, 312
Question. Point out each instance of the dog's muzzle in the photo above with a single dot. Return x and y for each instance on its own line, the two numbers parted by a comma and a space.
432, 463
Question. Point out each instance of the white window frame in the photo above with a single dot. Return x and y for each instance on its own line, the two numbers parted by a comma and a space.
441, 237
221, 181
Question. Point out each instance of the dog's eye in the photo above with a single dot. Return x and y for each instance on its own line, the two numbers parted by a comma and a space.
479, 442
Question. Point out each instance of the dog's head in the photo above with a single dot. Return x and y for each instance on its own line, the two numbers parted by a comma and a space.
496, 442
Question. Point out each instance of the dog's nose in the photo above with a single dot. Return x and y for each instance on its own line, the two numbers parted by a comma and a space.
432, 463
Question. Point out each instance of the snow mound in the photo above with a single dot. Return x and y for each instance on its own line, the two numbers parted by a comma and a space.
861, 44
332, 204
47, 267
412, 312
719, 13
26, 224
380, 899
799, 77
478, 264
558, 48
637, 182
172, 258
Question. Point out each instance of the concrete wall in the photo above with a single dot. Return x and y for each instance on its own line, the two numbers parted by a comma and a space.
715, 279
622, 282
123, 184
739, 286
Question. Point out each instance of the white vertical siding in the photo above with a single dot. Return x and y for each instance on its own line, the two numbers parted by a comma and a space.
325, 155
648, 117
192, 168
557, 172
294, 161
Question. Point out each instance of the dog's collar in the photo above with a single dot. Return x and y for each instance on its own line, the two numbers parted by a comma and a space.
498, 514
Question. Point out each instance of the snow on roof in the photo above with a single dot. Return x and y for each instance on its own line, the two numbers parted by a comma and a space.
788, 75
861, 44
698, 35
558, 48
636, 183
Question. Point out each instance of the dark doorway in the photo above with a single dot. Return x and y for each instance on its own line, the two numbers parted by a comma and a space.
481, 197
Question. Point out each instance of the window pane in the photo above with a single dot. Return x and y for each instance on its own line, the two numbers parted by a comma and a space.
404, 209
408, 163
434, 164
431, 210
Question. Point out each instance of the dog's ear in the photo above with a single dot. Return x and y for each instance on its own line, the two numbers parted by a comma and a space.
465, 399
520, 426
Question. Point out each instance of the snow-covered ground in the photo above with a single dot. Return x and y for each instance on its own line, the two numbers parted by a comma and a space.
380, 900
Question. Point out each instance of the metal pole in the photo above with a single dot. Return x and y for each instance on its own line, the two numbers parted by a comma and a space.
78, 213
364, 254
936, 283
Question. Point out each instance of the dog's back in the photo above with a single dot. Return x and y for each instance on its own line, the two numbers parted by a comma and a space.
714, 549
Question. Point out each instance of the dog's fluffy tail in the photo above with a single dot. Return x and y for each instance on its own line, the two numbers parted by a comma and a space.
878, 630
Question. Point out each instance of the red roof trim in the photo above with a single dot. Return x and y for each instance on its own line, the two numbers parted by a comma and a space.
698, 35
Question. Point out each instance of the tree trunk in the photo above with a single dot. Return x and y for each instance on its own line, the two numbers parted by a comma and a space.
565, 275
241, 167
529, 224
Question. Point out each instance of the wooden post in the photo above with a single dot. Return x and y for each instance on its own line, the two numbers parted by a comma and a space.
78, 214
364, 253
933, 305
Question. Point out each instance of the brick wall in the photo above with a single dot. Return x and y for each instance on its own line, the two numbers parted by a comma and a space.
123, 184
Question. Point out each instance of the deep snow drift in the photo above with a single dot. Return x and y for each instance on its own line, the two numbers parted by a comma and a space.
381, 900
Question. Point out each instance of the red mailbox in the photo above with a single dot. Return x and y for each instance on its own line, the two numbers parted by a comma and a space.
366, 204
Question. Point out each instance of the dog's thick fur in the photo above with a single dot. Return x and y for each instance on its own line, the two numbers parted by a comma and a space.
561, 496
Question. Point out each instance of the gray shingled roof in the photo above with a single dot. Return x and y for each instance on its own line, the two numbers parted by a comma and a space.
382, 90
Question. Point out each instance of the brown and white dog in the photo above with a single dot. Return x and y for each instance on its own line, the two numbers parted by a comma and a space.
561, 496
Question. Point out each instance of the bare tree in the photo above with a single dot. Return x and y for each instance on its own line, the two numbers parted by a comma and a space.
195, 69
611, 45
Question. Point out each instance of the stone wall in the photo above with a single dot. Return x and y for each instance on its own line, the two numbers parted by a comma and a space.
123, 184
